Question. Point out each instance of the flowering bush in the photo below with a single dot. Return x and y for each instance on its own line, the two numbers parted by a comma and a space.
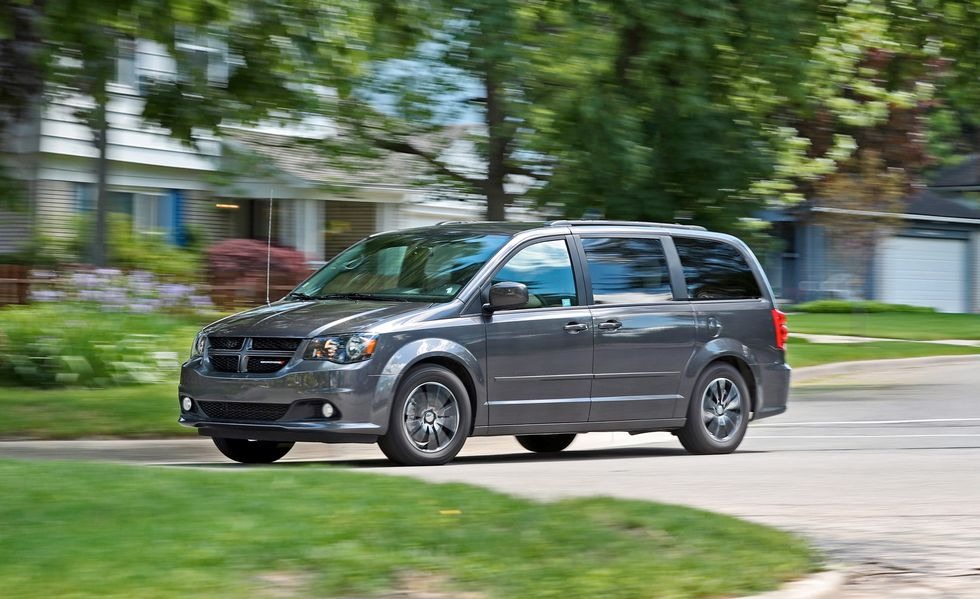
236, 270
111, 289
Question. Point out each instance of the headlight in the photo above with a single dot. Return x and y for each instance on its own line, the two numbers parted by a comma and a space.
198, 348
342, 349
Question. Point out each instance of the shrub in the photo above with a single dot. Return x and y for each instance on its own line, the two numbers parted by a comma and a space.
61, 344
236, 270
833, 306
144, 251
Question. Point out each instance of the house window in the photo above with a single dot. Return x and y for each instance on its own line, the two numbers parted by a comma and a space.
149, 212
126, 64
199, 56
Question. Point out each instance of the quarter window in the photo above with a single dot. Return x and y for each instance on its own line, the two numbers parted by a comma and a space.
715, 270
546, 269
627, 271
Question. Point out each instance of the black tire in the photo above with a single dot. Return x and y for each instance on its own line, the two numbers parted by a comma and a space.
545, 443
252, 452
430, 418
717, 413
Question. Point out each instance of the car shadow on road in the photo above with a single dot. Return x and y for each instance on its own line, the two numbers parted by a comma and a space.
501, 458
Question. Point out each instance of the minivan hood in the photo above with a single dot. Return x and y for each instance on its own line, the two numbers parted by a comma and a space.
310, 318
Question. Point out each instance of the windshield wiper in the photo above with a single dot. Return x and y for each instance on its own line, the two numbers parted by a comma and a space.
365, 296
301, 296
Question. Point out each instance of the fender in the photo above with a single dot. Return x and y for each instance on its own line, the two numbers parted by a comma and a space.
708, 353
421, 350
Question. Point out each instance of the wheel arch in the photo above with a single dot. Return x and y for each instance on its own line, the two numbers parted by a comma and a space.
449, 355
720, 352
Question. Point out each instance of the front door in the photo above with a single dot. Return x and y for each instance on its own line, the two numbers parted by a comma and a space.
539, 356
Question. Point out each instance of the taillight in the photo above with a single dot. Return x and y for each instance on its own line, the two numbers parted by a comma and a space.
782, 331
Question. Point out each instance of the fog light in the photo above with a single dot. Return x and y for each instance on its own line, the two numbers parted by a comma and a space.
186, 403
327, 410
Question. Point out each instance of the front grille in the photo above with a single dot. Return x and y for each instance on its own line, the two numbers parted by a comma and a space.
237, 410
265, 363
224, 363
226, 342
275, 343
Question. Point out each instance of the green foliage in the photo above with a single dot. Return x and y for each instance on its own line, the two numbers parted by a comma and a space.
325, 532
800, 353
60, 344
847, 307
147, 251
890, 325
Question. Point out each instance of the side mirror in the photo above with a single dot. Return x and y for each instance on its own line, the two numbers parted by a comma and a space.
506, 295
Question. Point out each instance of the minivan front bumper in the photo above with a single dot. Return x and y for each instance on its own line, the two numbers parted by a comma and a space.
360, 398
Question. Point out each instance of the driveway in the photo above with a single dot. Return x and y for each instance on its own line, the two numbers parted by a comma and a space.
880, 470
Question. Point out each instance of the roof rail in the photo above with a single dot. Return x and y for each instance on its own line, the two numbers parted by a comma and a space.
621, 223
452, 222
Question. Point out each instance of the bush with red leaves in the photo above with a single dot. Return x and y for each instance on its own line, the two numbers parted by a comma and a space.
236, 271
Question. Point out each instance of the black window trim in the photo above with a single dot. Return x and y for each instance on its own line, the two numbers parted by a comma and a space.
677, 287
574, 258
738, 245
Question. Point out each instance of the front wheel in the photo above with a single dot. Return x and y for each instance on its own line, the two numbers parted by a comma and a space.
718, 412
252, 452
430, 418
545, 443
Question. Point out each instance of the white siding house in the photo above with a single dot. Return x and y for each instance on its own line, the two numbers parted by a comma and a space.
167, 187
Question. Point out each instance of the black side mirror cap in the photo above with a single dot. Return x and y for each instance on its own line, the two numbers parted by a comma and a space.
506, 295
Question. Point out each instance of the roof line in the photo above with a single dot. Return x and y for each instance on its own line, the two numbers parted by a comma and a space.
906, 216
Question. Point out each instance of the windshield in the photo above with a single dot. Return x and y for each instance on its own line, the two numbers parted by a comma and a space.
429, 266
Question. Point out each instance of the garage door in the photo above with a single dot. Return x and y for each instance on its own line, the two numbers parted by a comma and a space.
923, 272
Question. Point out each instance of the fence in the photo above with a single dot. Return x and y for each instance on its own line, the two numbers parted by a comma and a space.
17, 286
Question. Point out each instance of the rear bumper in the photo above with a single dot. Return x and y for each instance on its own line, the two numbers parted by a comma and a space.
774, 390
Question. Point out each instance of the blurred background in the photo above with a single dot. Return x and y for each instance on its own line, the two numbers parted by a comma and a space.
149, 149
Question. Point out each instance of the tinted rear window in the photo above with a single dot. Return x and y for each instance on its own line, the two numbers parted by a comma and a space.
715, 270
627, 271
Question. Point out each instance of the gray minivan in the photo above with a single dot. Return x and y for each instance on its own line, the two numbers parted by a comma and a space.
420, 338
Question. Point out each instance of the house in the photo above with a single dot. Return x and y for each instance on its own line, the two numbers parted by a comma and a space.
169, 188
929, 255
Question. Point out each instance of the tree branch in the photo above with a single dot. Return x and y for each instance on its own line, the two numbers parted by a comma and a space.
404, 147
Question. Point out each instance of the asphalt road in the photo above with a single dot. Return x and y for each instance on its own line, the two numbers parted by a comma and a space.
880, 470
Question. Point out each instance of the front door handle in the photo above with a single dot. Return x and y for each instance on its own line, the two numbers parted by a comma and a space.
610, 325
576, 327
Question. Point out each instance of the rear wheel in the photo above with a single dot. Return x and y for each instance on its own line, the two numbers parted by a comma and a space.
430, 418
718, 413
545, 443
252, 452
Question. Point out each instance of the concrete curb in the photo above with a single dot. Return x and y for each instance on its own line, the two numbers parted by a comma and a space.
809, 373
822, 585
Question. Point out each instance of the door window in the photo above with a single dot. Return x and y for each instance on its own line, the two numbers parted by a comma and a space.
715, 270
627, 271
546, 269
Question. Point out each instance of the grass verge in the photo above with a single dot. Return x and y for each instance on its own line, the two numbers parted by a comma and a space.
890, 325
801, 353
100, 530
71, 413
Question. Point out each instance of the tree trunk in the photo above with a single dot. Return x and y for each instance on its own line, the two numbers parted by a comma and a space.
101, 170
498, 140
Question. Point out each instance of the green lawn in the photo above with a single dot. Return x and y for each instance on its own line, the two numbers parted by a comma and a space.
891, 325
69, 413
100, 530
801, 353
